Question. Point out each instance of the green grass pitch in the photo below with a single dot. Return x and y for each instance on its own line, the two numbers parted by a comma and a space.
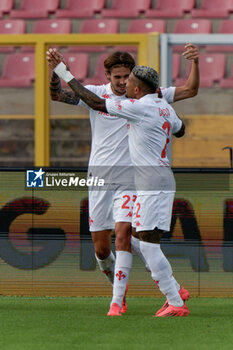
81, 323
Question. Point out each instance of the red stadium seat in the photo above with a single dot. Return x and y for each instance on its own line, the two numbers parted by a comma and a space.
18, 70
11, 26
226, 27
101, 26
213, 9
143, 26
80, 9
191, 26
126, 9
212, 69
169, 9
5, 6
147, 26
78, 64
175, 66
97, 26
54, 26
99, 75
35, 9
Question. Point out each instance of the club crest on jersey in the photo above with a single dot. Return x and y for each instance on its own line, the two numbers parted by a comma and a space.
106, 96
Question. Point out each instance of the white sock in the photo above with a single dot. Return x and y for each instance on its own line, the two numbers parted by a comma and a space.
122, 269
176, 283
135, 247
161, 272
107, 266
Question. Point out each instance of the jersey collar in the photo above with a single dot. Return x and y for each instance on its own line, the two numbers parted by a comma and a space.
109, 90
153, 96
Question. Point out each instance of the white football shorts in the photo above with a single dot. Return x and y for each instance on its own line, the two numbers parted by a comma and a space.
108, 207
153, 210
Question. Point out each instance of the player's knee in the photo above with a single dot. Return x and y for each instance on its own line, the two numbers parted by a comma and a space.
123, 240
102, 252
102, 249
152, 236
102, 243
123, 229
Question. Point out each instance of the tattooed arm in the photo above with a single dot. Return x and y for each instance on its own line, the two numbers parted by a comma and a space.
59, 94
91, 99
56, 92
79, 91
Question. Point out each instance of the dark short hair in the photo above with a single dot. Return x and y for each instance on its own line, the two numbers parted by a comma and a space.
147, 75
119, 58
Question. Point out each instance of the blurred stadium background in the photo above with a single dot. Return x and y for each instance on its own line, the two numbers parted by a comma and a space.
204, 266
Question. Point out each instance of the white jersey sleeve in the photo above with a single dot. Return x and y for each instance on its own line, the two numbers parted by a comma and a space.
176, 124
125, 109
168, 93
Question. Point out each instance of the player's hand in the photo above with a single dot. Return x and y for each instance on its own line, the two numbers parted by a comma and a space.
54, 58
191, 52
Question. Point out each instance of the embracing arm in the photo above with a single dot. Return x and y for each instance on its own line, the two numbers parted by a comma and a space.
91, 99
106, 106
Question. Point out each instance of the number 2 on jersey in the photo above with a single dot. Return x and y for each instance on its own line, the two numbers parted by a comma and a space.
138, 206
124, 205
166, 126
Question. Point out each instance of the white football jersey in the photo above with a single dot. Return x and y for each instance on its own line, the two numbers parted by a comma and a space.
152, 121
168, 93
109, 145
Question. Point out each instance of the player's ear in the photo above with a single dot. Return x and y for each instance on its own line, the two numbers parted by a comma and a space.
159, 92
137, 89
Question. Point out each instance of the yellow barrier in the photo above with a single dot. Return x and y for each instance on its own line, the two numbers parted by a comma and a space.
148, 54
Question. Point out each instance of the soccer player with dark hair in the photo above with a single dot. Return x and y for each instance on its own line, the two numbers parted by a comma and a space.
110, 148
108, 210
